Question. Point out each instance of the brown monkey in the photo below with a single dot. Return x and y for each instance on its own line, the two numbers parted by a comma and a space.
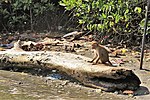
101, 53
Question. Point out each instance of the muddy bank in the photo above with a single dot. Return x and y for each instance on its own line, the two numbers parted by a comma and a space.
24, 86
107, 78
27, 84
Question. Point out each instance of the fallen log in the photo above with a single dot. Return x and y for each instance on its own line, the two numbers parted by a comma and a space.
98, 76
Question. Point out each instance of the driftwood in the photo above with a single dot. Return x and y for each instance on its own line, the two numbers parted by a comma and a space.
74, 35
98, 76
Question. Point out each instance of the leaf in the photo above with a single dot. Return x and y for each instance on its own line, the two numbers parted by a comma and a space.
142, 23
81, 21
127, 11
127, 25
111, 24
45, 1
62, 3
110, 17
104, 15
86, 0
25, 7
29, 1
117, 18
138, 9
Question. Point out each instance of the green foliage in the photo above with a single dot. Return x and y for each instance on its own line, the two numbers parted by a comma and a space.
18, 13
107, 16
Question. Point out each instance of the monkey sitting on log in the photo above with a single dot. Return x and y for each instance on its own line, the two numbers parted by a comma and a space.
101, 53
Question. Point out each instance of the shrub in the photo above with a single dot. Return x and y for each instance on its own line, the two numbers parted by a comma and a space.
116, 19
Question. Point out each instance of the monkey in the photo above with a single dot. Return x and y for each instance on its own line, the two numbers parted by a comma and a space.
101, 53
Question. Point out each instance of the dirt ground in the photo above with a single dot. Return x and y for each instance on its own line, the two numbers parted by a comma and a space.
44, 84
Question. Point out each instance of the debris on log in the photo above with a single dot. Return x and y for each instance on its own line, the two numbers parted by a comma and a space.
17, 47
47, 43
98, 76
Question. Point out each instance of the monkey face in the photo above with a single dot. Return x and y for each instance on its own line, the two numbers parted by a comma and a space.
94, 45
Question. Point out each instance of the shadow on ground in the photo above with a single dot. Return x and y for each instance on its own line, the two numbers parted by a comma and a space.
142, 91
